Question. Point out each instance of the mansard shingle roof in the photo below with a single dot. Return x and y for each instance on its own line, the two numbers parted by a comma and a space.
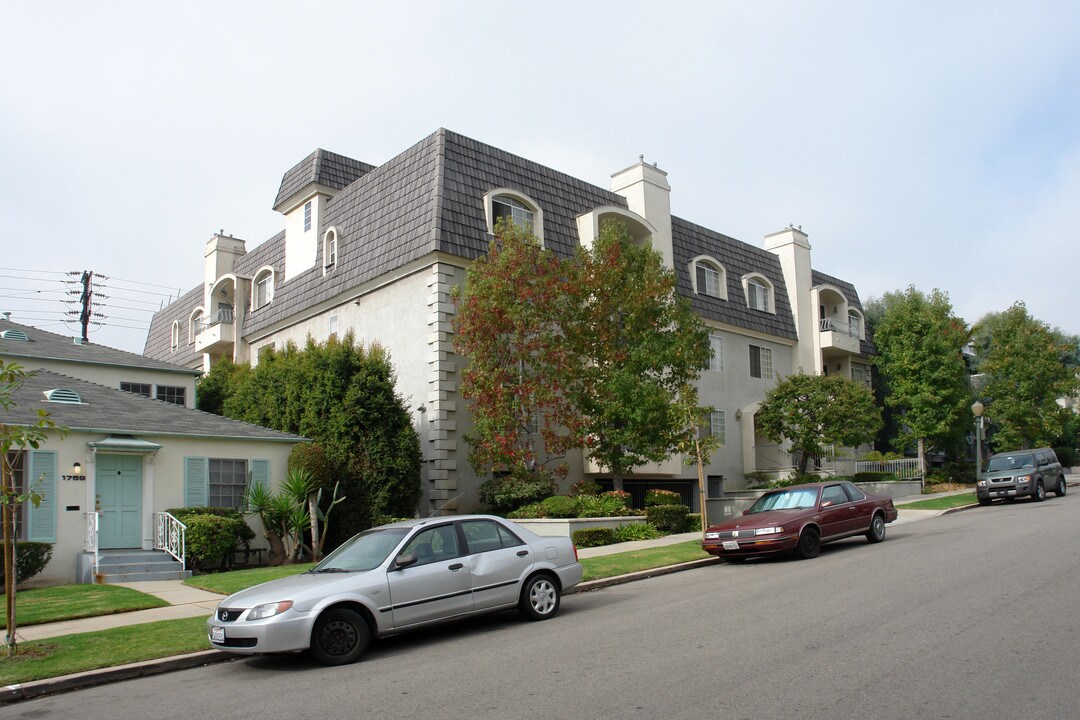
159, 335
323, 168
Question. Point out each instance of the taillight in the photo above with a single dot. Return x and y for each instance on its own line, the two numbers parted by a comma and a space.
575, 551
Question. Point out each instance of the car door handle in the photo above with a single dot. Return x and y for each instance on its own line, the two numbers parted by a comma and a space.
455, 567
522, 553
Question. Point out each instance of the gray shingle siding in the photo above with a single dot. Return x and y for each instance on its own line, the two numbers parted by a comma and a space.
160, 333
322, 167
866, 347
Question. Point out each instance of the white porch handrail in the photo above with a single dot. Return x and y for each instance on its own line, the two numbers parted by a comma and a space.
171, 536
90, 540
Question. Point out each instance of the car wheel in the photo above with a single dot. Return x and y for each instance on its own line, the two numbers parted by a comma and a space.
876, 533
809, 544
539, 598
1040, 492
340, 636
1061, 486
984, 501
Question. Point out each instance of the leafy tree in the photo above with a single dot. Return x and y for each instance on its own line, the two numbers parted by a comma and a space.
14, 440
1025, 370
920, 343
213, 387
638, 344
696, 444
343, 396
813, 411
509, 324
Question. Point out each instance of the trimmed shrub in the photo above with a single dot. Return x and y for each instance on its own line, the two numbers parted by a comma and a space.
589, 506
693, 523
1067, 456
636, 531
30, 559
559, 506
525, 511
662, 497
875, 476
509, 492
877, 456
210, 540
667, 518
593, 537
621, 494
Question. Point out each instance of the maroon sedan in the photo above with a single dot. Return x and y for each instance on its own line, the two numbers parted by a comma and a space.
799, 519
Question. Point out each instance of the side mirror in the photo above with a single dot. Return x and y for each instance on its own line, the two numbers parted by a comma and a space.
746, 511
404, 561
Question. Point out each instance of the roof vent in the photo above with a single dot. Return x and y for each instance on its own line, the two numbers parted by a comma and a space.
14, 334
63, 395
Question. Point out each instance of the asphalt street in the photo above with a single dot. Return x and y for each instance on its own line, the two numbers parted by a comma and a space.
961, 616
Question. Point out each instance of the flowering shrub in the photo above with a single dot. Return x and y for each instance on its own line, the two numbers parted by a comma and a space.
584, 487
620, 494
662, 497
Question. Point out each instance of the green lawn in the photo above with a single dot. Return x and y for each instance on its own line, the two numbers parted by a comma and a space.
227, 583
941, 503
67, 602
54, 657
627, 562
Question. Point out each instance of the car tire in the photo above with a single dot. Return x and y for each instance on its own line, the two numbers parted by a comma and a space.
540, 597
735, 560
984, 501
809, 545
876, 533
340, 636
1039, 494
1061, 487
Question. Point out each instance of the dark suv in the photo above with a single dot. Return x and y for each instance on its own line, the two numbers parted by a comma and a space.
1021, 473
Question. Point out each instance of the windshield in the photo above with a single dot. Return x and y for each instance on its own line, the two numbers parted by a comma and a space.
1010, 462
365, 551
786, 500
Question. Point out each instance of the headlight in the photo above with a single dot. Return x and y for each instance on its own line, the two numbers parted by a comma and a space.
769, 530
1023, 478
260, 612
711, 535
981, 483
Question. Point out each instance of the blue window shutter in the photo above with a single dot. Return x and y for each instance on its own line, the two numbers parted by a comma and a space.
196, 481
42, 525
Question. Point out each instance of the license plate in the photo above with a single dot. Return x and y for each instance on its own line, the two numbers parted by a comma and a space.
217, 635
731, 545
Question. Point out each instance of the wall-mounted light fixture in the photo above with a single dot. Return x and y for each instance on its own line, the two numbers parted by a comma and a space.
77, 468
738, 414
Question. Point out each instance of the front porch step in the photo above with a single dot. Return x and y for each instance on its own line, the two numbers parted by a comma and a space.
123, 566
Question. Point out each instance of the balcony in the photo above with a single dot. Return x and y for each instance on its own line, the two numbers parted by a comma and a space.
672, 467
217, 336
839, 338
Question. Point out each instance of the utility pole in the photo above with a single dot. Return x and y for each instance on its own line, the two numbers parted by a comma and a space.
84, 301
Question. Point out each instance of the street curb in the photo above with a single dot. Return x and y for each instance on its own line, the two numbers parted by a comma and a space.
27, 691
642, 575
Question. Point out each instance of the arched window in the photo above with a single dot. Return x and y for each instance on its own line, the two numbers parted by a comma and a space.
517, 208
174, 336
262, 288
196, 323
759, 293
330, 249
708, 277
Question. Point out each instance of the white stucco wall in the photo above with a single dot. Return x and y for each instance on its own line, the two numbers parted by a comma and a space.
113, 375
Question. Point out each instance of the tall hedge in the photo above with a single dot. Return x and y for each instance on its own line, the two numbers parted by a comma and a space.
30, 559
342, 395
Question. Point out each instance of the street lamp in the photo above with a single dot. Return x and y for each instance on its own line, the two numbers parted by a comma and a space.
977, 410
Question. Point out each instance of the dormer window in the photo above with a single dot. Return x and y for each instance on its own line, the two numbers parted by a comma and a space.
330, 249
855, 325
517, 208
758, 293
709, 277
263, 288
195, 325
307, 216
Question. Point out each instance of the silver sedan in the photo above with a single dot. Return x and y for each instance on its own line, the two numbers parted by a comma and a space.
398, 577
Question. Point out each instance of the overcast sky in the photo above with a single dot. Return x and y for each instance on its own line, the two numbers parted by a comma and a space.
926, 143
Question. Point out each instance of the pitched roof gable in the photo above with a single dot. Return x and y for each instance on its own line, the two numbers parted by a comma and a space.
321, 167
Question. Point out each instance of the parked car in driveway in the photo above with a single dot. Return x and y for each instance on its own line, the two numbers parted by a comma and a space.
799, 519
1021, 473
399, 577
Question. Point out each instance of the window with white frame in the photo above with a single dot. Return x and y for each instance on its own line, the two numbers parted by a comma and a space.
228, 478
517, 212
307, 216
177, 395
757, 294
716, 344
854, 324
264, 288
330, 248
174, 336
718, 426
761, 362
333, 326
143, 389
860, 373
195, 325
710, 279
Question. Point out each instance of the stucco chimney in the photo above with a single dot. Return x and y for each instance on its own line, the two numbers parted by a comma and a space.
647, 193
